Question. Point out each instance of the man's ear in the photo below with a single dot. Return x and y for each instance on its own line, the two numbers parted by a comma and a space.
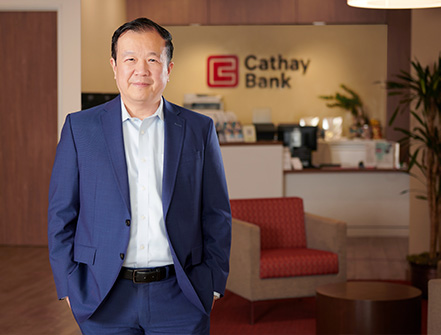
113, 65
169, 69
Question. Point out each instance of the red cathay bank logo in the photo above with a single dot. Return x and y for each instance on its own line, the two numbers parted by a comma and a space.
222, 71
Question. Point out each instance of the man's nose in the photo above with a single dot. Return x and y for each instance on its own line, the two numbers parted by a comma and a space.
142, 68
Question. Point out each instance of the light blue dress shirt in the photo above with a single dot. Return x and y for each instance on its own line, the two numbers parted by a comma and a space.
144, 149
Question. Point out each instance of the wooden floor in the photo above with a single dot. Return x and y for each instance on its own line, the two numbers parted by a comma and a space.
28, 301
29, 305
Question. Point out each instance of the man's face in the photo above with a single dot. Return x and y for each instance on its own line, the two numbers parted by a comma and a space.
141, 69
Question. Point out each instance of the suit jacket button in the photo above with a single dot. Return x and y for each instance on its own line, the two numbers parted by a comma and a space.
128, 223
121, 256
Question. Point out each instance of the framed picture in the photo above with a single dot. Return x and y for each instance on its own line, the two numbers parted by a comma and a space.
249, 133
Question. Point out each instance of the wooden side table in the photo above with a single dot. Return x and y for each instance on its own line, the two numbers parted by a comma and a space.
368, 308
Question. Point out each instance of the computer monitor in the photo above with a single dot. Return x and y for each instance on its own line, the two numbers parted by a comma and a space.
300, 140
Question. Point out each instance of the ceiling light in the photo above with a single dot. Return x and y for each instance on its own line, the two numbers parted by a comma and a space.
395, 4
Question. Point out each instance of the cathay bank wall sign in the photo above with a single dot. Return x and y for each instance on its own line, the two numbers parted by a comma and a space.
284, 68
274, 71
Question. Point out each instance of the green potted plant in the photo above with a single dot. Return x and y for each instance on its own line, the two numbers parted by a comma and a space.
352, 103
420, 94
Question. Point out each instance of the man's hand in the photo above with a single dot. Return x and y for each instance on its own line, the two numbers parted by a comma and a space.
68, 302
214, 299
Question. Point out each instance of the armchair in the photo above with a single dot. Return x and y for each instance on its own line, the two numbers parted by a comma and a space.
278, 251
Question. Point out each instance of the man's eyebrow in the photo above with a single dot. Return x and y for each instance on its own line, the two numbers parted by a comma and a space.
129, 52
152, 53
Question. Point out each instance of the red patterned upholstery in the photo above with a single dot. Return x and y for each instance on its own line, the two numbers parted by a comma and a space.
283, 239
276, 263
281, 220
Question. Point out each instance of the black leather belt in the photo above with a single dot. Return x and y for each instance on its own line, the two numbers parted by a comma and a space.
147, 275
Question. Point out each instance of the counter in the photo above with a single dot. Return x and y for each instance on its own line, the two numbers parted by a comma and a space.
370, 201
253, 170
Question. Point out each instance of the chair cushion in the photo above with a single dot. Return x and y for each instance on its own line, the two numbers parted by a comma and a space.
281, 220
297, 262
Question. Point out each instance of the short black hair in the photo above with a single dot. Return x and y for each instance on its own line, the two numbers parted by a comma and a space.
143, 24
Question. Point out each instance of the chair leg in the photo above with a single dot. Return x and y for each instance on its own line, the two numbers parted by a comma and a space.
251, 312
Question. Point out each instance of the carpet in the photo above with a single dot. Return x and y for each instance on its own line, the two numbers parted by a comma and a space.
287, 316
282, 317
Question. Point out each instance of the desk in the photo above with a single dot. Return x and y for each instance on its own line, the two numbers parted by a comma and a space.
368, 308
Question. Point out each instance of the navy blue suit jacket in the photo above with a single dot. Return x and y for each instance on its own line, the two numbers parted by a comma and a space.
89, 206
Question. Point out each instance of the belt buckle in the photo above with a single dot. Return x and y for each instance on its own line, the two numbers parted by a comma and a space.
153, 275
134, 276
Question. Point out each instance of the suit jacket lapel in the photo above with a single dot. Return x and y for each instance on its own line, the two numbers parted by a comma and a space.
112, 129
174, 127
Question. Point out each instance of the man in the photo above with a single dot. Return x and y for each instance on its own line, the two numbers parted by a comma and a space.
139, 217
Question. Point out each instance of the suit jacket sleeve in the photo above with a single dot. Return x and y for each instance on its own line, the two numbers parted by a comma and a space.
63, 209
216, 214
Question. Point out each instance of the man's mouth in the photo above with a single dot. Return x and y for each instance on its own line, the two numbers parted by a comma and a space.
141, 84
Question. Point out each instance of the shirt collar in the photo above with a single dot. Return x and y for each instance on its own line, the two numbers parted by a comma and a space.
159, 112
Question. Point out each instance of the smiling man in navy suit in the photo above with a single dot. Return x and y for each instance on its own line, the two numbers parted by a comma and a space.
139, 217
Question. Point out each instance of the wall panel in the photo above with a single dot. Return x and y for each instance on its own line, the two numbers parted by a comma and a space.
169, 12
243, 12
345, 14
398, 54
309, 11
336, 12
28, 115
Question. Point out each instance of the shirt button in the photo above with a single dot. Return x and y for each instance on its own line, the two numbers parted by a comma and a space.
142, 132
128, 223
142, 217
142, 247
121, 256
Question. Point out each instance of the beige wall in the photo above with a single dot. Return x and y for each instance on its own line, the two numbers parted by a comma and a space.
426, 47
354, 55
99, 19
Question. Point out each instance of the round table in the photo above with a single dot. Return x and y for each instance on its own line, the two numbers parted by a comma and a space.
362, 307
